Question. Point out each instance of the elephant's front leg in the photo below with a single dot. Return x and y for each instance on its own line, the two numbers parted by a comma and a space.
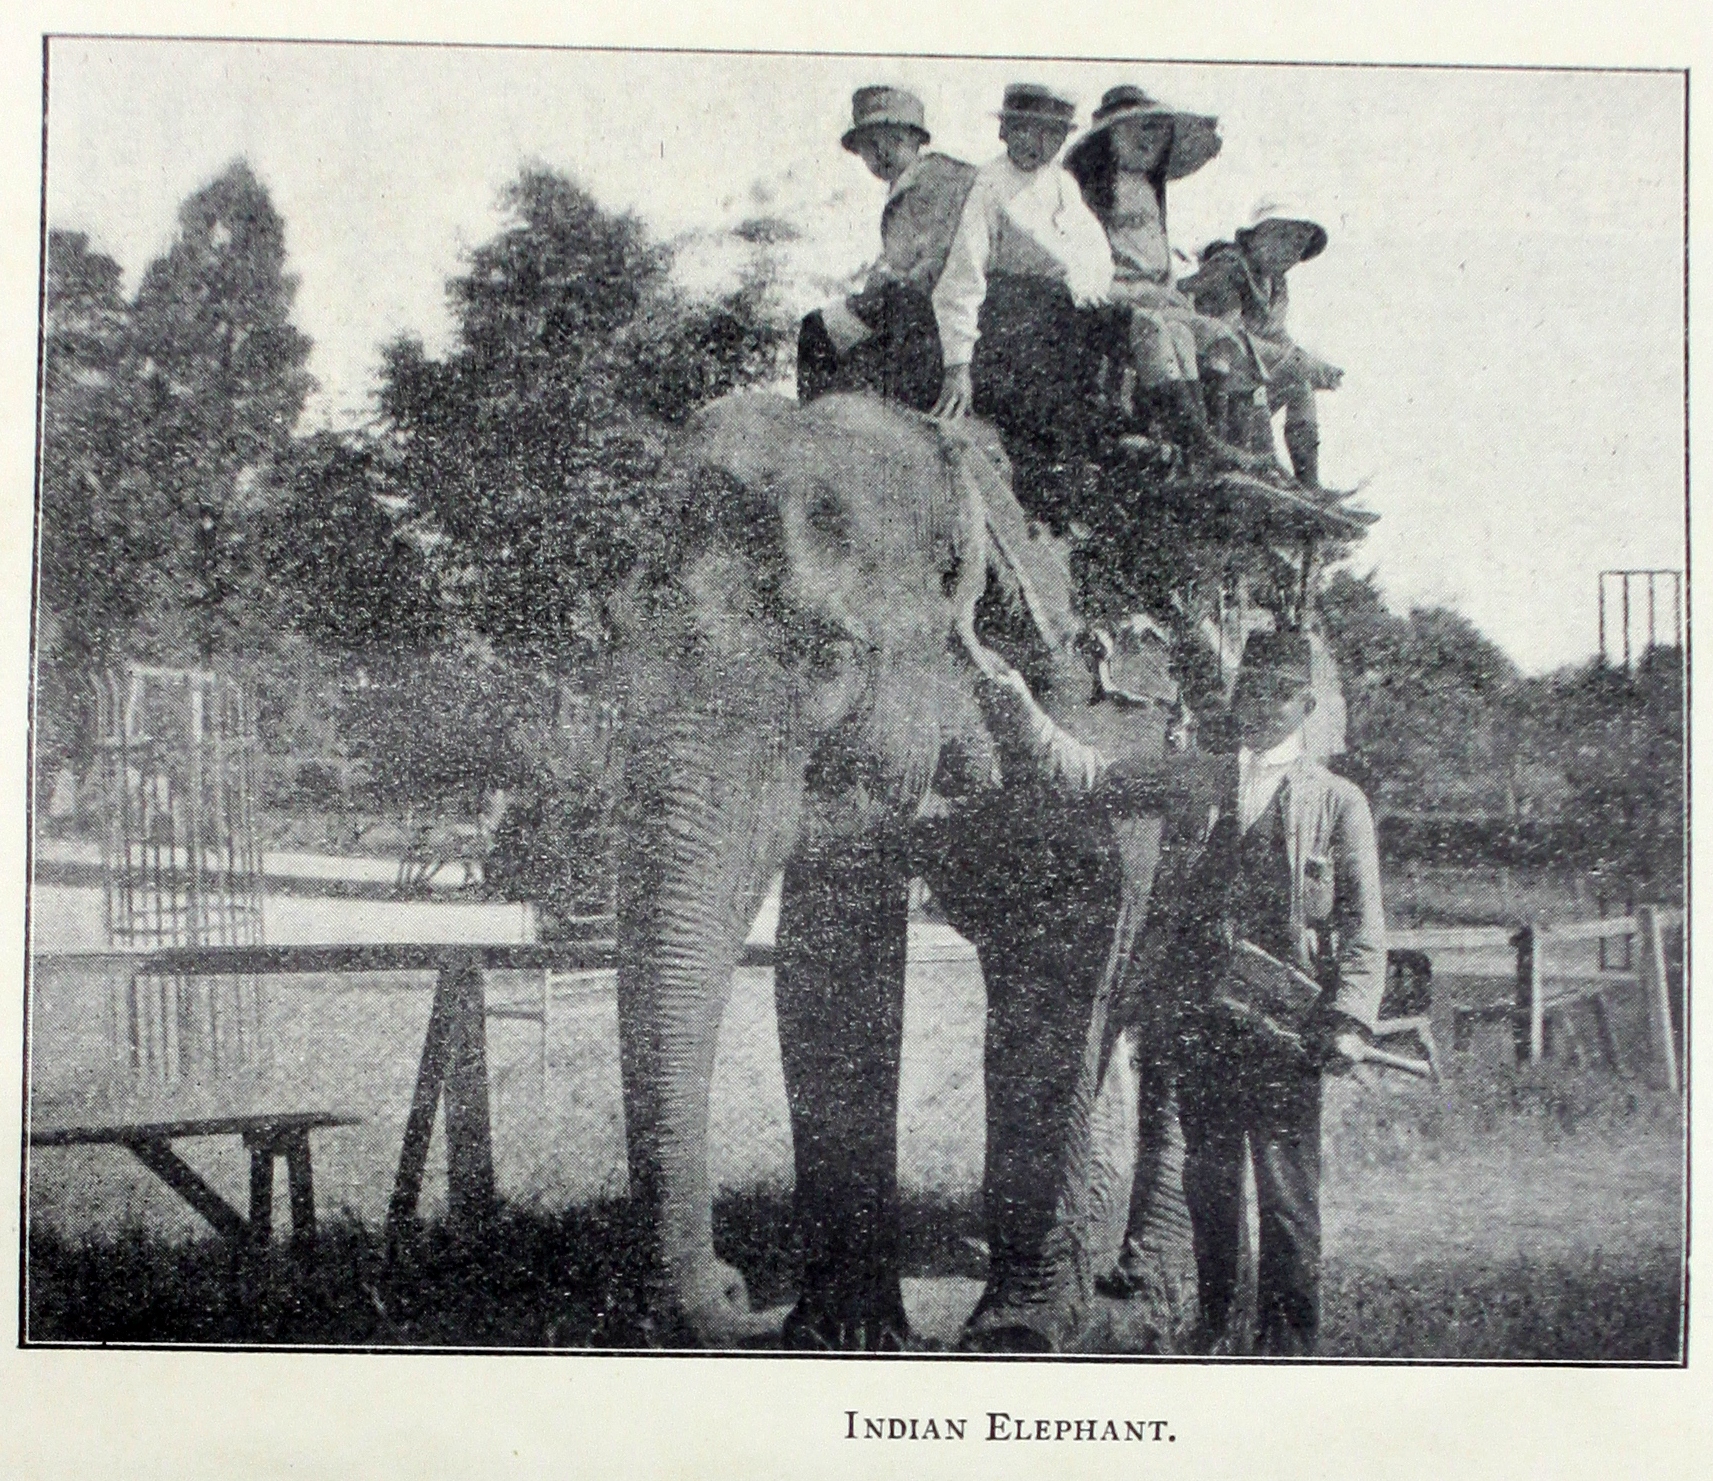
839, 986
1038, 890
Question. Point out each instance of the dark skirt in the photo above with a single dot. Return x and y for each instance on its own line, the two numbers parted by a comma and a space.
1033, 374
899, 361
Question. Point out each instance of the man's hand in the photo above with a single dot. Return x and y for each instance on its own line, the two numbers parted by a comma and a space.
957, 395
1335, 1042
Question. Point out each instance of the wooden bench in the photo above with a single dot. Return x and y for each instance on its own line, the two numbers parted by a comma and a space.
270, 1117
148, 1132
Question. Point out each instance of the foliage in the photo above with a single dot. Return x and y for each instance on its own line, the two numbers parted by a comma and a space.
163, 421
102, 534
340, 564
1617, 738
1425, 729
529, 450
220, 384
440, 728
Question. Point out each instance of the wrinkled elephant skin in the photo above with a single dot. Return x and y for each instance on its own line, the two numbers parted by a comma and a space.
795, 690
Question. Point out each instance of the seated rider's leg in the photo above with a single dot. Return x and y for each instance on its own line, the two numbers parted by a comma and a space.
1032, 380
1293, 392
1164, 349
817, 359
907, 345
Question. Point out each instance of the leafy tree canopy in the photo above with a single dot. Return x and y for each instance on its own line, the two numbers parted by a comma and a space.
528, 450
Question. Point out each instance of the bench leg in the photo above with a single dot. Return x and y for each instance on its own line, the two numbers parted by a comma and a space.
302, 1182
419, 1126
156, 1154
261, 1191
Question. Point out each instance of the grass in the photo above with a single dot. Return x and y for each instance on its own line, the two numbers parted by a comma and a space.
1528, 1213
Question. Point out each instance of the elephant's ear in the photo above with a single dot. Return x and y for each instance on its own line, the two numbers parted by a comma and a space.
1030, 565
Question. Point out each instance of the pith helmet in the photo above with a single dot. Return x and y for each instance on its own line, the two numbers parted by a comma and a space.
1195, 136
1030, 102
871, 107
1272, 216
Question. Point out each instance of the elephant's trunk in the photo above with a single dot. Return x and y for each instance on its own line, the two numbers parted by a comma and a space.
711, 806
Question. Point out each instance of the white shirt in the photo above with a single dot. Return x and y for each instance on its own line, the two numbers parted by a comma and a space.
1033, 223
1260, 777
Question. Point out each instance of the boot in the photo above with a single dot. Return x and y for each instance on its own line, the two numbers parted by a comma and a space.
1187, 413
1302, 442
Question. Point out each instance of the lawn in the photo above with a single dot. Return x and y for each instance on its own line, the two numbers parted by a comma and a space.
1508, 1213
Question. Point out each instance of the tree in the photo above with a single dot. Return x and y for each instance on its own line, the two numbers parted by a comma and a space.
100, 530
1426, 725
529, 449
341, 566
220, 385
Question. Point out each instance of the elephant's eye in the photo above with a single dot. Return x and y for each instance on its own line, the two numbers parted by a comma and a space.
826, 516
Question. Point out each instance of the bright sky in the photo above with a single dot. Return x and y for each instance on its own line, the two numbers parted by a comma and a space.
1504, 284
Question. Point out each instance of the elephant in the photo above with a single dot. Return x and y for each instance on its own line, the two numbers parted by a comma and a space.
801, 680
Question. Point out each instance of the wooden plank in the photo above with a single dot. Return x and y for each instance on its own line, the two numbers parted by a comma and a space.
230, 961
1451, 939
469, 1134
1613, 928
113, 1128
419, 1125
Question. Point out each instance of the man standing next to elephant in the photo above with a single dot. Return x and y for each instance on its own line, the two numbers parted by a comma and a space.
1291, 866
1273, 850
1027, 255
885, 339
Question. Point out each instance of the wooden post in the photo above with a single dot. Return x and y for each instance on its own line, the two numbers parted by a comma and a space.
546, 1009
1530, 1029
261, 1194
1657, 989
419, 1126
300, 1179
469, 1135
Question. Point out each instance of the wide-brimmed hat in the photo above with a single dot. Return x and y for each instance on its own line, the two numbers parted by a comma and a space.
873, 107
1031, 102
1278, 216
1195, 136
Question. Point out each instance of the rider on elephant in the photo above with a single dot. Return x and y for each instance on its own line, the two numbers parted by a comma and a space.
1243, 281
1027, 255
884, 339
1133, 147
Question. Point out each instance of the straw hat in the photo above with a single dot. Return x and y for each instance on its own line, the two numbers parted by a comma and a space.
1272, 216
873, 107
1195, 136
1030, 102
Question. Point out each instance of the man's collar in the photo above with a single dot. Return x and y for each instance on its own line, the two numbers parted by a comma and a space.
907, 179
1288, 750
